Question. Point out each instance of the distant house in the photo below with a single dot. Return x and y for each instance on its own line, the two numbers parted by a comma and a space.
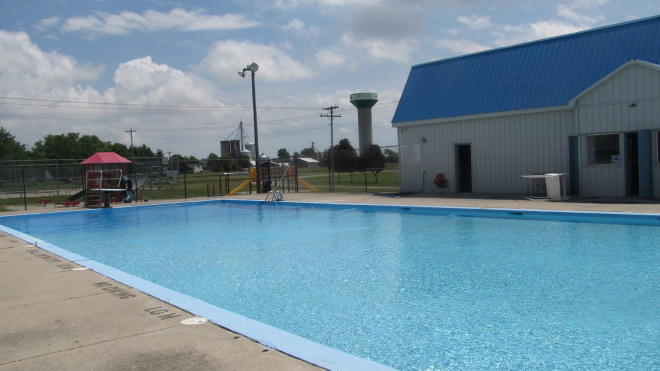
305, 162
585, 104
194, 168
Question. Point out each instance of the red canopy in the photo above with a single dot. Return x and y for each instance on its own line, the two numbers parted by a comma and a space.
105, 158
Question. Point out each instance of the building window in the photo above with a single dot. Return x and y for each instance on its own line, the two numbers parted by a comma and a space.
603, 149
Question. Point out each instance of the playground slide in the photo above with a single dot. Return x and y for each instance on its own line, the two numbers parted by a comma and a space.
77, 195
127, 183
237, 189
307, 185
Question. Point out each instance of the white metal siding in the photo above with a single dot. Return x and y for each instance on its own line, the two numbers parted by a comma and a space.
608, 109
503, 149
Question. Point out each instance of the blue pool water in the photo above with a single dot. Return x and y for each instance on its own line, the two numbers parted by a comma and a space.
411, 291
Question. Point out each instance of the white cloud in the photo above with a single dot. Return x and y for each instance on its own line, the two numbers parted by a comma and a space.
510, 35
475, 22
151, 20
295, 25
292, 4
227, 57
571, 11
143, 81
28, 71
298, 27
328, 58
397, 50
23, 65
46, 23
462, 46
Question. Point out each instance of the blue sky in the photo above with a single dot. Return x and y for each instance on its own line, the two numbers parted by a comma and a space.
169, 69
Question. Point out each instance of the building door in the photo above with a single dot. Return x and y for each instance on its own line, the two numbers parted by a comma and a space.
644, 161
463, 168
574, 164
632, 164
638, 164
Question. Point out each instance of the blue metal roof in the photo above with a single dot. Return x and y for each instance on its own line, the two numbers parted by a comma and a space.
538, 74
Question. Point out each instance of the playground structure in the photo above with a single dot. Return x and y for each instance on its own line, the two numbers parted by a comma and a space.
106, 180
273, 176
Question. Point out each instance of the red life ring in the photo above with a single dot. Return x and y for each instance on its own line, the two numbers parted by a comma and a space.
439, 180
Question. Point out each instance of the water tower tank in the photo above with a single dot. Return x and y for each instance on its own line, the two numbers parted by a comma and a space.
363, 102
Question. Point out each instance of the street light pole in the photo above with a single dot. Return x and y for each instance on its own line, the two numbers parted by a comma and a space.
253, 68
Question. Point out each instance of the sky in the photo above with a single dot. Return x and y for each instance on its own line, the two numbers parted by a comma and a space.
168, 70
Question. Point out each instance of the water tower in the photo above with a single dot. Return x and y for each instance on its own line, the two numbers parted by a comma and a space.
363, 102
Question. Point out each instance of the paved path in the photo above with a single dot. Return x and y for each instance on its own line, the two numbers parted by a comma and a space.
53, 317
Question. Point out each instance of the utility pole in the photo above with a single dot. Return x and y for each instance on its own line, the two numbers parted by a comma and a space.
134, 170
332, 145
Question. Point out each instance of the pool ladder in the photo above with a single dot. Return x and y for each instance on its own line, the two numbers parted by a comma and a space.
275, 195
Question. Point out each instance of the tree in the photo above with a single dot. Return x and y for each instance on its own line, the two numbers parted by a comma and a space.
391, 156
88, 145
373, 160
296, 154
346, 158
62, 146
307, 152
144, 151
244, 161
10, 149
121, 150
229, 163
283, 153
214, 162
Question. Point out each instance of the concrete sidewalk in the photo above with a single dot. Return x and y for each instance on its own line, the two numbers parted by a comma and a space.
54, 317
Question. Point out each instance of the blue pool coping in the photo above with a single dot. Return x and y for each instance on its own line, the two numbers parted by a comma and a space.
296, 346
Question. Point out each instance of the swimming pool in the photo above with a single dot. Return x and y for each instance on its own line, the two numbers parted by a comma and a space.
412, 288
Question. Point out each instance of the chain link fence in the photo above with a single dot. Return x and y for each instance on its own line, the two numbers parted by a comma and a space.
174, 178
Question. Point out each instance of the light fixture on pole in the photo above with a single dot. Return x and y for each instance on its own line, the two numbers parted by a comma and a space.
253, 68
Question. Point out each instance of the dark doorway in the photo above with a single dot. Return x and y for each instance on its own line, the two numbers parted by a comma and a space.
463, 168
574, 164
632, 165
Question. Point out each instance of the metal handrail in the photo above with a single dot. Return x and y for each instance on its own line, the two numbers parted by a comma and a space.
277, 196
101, 180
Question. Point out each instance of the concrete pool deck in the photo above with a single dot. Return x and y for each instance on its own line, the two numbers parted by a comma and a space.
54, 317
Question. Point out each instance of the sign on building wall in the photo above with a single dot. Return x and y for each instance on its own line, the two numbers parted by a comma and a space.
411, 154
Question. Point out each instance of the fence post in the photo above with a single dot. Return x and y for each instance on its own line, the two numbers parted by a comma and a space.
185, 187
213, 189
220, 183
295, 172
24, 193
57, 176
207, 190
365, 181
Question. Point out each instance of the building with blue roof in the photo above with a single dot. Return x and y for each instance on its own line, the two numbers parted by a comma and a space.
586, 105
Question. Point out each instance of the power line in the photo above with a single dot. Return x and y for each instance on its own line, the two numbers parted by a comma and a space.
157, 105
300, 118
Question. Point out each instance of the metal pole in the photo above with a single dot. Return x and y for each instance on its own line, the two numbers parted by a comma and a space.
57, 175
332, 155
365, 180
256, 135
24, 195
185, 188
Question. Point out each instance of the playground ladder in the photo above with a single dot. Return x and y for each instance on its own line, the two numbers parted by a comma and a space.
277, 195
